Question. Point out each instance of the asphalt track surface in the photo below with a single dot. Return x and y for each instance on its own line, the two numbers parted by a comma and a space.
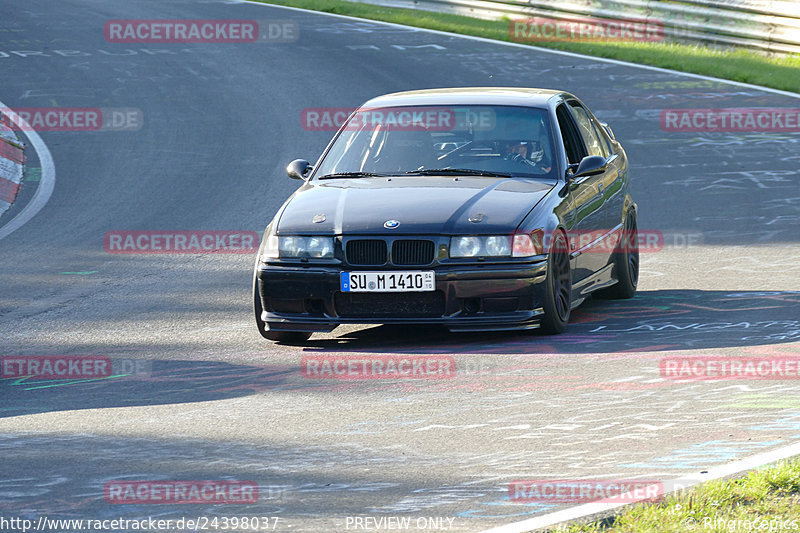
214, 401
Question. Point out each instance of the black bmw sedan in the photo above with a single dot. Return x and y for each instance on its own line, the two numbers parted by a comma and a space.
474, 208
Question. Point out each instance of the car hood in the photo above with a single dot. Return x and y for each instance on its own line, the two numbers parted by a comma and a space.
421, 205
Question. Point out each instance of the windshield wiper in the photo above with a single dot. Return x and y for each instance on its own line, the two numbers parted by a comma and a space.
350, 175
459, 171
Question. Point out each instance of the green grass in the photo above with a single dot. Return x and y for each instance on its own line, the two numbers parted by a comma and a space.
776, 71
770, 494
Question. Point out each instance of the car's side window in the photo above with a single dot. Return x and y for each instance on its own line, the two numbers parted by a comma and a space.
573, 145
590, 135
605, 137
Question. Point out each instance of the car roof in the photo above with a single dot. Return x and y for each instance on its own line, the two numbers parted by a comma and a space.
512, 96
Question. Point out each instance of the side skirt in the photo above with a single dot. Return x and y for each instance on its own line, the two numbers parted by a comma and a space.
599, 280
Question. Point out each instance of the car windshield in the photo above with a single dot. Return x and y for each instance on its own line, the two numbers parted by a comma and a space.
449, 140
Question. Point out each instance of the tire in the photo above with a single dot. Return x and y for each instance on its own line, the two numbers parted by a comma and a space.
286, 337
626, 262
558, 288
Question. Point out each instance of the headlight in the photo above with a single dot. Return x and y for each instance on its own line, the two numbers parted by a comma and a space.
320, 247
497, 246
305, 247
291, 246
491, 246
465, 246
518, 245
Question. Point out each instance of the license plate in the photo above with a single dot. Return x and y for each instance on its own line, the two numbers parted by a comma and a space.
418, 281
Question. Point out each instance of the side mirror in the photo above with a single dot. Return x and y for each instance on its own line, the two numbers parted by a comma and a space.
298, 169
591, 165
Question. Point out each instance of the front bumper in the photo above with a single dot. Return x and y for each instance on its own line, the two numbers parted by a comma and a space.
467, 298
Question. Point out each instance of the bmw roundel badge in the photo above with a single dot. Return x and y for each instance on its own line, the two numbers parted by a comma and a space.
391, 224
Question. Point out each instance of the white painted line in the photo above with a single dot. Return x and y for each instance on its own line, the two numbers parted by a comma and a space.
46, 184
536, 48
589, 509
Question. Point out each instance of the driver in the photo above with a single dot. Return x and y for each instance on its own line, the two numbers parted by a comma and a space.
527, 152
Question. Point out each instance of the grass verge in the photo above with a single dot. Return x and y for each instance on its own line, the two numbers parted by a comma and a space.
763, 500
778, 72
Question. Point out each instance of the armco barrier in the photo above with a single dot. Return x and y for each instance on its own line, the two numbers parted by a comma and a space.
767, 25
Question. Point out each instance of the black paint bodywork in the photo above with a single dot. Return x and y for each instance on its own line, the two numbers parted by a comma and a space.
472, 294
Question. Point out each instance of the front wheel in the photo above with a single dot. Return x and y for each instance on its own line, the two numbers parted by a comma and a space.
626, 262
558, 288
287, 337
